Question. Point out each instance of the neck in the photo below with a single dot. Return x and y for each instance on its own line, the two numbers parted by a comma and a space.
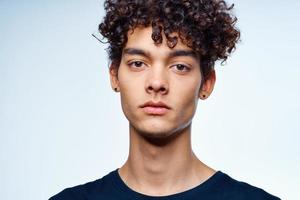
162, 166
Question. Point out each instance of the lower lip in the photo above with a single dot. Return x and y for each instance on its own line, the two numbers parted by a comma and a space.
155, 110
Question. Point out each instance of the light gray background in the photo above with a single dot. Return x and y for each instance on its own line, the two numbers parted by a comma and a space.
61, 124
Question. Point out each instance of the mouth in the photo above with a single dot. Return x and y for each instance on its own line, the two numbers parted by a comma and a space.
155, 108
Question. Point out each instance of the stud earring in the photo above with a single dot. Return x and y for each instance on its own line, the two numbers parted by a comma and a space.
116, 89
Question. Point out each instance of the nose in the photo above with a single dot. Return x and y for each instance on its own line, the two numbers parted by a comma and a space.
157, 81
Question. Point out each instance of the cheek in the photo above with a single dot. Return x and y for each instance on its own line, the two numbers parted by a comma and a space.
187, 96
187, 87
129, 94
130, 89
129, 102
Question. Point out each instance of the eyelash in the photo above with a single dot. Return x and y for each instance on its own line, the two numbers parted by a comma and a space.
133, 63
140, 63
186, 67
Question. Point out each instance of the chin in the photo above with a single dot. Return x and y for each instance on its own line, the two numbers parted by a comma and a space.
158, 134
159, 138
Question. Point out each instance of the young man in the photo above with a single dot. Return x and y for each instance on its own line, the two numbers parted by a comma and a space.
162, 62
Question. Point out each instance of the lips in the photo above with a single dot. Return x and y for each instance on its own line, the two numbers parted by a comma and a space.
155, 108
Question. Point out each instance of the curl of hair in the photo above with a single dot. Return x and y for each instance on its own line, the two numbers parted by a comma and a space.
206, 26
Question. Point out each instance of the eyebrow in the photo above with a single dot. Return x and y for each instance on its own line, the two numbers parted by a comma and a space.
134, 51
178, 53
174, 53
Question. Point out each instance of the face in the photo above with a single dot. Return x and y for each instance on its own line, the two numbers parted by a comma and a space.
159, 86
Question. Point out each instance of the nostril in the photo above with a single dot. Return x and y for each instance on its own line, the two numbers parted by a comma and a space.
162, 89
157, 87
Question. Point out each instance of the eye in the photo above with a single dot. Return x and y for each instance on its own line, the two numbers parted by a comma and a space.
136, 64
181, 68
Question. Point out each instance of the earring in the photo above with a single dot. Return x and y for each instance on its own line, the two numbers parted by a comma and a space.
204, 96
116, 89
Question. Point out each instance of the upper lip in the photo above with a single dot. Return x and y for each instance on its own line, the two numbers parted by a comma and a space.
155, 104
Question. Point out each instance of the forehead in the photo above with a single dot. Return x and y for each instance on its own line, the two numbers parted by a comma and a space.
142, 37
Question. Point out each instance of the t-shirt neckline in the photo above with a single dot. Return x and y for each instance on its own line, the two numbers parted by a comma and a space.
202, 187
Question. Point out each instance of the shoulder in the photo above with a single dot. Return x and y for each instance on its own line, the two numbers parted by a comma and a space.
81, 192
234, 189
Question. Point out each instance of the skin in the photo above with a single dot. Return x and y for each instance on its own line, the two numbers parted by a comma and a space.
161, 161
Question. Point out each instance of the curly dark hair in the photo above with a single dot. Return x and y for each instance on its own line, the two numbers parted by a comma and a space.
206, 26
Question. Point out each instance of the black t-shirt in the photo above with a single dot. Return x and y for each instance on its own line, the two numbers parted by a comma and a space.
219, 186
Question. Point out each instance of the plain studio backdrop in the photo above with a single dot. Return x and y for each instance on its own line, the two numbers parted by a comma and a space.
62, 125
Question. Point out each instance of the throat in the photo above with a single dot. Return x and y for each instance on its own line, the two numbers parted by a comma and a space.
165, 168
163, 180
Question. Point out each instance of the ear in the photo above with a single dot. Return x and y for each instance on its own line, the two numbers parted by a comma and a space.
113, 74
208, 85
